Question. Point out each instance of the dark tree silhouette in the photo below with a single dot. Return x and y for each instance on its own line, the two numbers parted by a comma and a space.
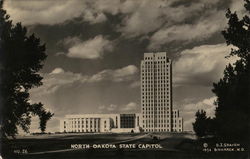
211, 126
233, 90
21, 57
203, 125
199, 125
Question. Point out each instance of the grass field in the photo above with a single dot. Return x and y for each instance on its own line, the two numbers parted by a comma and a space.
59, 146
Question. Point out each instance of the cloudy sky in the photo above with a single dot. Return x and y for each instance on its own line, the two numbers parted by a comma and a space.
94, 50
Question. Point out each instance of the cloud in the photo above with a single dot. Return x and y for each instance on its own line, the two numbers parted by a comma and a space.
148, 16
167, 20
90, 49
131, 107
201, 65
69, 41
116, 7
58, 78
135, 84
43, 12
31, 12
94, 17
144, 19
238, 6
188, 111
202, 29
141, 17
107, 109
205, 104
123, 74
57, 71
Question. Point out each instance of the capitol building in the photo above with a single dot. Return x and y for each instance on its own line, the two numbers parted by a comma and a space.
157, 113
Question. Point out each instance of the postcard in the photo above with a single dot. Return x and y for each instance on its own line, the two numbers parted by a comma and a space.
124, 79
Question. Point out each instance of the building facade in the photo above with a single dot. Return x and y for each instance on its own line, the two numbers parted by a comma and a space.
177, 121
97, 123
156, 92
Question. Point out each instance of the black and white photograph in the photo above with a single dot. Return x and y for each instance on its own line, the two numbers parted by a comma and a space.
124, 79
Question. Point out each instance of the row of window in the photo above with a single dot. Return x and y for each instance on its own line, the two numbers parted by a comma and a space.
155, 85
84, 119
155, 62
159, 108
156, 101
75, 122
147, 115
150, 121
156, 130
154, 70
149, 69
176, 122
159, 57
154, 77
163, 104
155, 105
155, 67
159, 112
157, 98
152, 96
157, 94
160, 74
155, 74
160, 81
157, 79
176, 125
177, 130
156, 125
154, 112
78, 126
154, 89
150, 61
159, 116
83, 130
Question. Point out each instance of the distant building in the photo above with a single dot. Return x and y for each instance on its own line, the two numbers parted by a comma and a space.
156, 93
97, 123
177, 121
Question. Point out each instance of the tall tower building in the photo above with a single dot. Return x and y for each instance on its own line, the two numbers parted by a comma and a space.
156, 92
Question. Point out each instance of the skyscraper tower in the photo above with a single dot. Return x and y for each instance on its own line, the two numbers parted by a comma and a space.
156, 92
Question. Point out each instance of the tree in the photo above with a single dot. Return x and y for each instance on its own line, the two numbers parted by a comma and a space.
233, 90
204, 125
199, 125
21, 57
211, 126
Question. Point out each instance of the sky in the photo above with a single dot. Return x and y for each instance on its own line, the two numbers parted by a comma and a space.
94, 51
